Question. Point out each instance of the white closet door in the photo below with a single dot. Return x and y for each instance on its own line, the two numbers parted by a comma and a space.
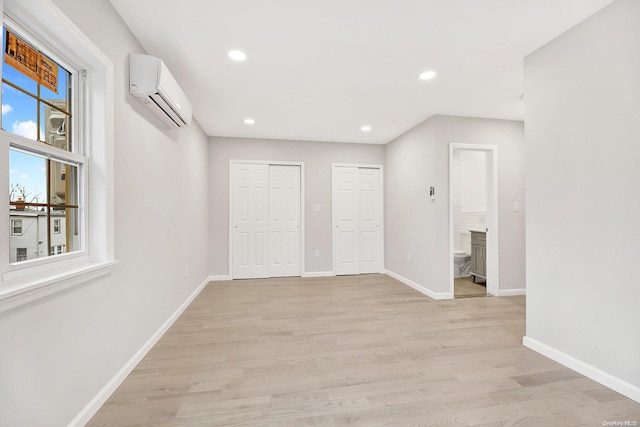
284, 220
357, 220
250, 220
346, 222
369, 216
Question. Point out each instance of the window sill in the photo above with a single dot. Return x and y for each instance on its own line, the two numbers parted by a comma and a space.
34, 290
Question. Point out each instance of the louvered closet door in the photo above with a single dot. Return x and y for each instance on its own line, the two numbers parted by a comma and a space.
250, 198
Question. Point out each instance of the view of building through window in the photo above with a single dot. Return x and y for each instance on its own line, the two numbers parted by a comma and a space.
43, 193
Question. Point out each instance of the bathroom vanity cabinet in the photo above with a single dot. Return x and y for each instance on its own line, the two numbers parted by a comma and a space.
478, 255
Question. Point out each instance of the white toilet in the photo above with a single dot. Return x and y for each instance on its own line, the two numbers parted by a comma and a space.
462, 257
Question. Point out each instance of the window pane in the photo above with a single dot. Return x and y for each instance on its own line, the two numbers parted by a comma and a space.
60, 99
14, 76
32, 242
64, 183
19, 113
54, 125
16, 226
21, 254
27, 180
48, 82
68, 240
40, 229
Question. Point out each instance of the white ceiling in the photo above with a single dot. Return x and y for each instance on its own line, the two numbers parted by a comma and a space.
321, 69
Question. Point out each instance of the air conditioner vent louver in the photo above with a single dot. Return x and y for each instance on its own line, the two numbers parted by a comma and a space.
160, 103
151, 83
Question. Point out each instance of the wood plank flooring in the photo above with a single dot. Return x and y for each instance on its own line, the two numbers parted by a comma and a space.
464, 287
353, 351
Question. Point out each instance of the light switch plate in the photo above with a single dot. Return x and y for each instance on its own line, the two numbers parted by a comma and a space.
316, 208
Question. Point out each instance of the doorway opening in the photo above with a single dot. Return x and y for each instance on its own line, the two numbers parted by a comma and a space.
473, 220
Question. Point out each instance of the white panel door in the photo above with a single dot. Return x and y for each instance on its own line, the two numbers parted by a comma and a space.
284, 220
369, 215
357, 220
250, 198
346, 222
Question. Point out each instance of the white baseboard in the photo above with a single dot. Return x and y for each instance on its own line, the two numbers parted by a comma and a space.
608, 380
419, 288
318, 274
219, 278
103, 395
511, 292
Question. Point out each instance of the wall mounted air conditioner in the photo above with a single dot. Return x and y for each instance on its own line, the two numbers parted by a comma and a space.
153, 85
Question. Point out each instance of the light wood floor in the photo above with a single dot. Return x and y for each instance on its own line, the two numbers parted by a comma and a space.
464, 287
357, 351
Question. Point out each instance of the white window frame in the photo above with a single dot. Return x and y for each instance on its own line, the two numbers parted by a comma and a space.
13, 227
75, 157
26, 255
56, 225
27, 281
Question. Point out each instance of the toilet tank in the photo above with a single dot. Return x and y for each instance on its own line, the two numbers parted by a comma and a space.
465, 240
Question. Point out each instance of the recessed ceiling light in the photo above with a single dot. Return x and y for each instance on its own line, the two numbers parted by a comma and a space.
237, 55
365, 128
249, 121
427, 75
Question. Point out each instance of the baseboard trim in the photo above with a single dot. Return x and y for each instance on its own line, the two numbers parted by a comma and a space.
103, 395
318, 274
419, 288
219, 278
511, 292
222, 278
589, 371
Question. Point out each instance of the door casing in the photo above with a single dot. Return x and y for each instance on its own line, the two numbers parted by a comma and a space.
493, 249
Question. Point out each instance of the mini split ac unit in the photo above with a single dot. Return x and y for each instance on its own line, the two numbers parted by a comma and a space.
153, 85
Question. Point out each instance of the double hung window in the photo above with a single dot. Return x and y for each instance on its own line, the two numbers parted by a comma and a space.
56, 149
46, 166
16, 227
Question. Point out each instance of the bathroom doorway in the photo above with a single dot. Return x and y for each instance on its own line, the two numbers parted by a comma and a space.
473, 220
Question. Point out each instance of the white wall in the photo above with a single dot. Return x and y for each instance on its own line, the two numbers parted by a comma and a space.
317, 157
59, 352
582, 93
419, 227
